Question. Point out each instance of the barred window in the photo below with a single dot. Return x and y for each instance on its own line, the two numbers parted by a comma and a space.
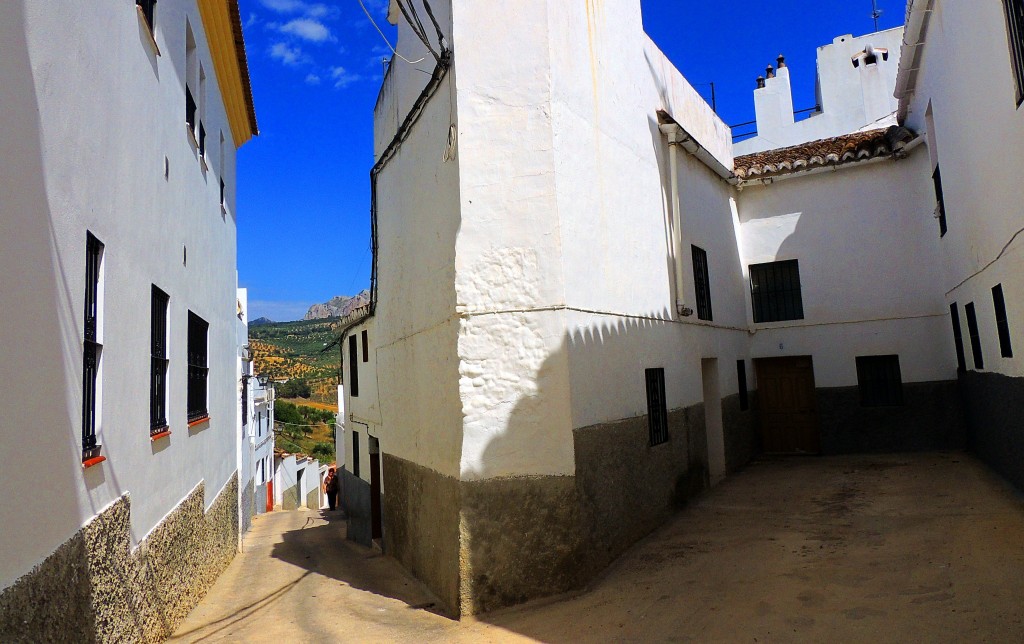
702, 281
880, 381
972, 329
1015, 35
353, 367
958, 337
775, 291
158, 362
657, 406
149, 11
940, 207
91, 347
1002, 323
198, 370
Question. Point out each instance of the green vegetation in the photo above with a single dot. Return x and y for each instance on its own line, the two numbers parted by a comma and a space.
293, 351
306, 430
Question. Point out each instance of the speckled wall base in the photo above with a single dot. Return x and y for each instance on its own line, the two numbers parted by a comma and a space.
995, 413
290, 498
94, 589
313, 499
247, 504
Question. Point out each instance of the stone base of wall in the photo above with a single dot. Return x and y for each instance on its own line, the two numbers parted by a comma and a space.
247, 503
355, 501
931, 418
995, 410
94, 589
313, 498
261, 499
290, 498
483, 545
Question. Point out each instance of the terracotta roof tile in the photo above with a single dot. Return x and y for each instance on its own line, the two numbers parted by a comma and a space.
839, 150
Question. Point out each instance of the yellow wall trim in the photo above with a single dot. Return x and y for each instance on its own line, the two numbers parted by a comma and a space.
224, 35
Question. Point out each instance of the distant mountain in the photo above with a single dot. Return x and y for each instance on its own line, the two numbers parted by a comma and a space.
261, 322
337, 307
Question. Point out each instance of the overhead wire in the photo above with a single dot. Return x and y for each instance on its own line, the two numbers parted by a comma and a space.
386, 41
413, 20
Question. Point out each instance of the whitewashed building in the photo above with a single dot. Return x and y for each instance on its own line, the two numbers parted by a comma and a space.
261, 433
118, 342
588, 307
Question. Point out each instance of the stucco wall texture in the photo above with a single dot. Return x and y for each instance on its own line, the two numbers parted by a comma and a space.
94, 588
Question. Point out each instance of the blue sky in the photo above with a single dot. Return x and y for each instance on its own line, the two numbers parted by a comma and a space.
303, 200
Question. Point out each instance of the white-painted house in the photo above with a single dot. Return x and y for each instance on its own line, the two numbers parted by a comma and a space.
587, 307
261, 433
118, 336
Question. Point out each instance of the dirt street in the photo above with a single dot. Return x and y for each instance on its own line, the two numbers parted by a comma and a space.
900, 548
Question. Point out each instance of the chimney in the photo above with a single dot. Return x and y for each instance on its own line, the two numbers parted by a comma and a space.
770, 72
782, 61
760, 82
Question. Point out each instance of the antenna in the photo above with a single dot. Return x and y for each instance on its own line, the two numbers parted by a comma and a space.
876, 13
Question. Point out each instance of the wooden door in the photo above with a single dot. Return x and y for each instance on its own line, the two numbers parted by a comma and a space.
375, 500
787, 406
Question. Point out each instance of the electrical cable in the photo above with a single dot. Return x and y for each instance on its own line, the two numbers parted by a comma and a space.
412, 25
386, 41
440, 35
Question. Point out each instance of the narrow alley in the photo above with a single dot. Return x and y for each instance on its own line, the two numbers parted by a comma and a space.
894, 548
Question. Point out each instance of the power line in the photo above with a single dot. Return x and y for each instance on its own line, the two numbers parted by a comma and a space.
386, 41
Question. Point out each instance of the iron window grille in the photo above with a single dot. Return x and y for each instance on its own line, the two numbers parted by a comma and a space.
972, 329
1002, 323
91, 348
703, 283
202, 139
245, 402
940, 207
158, 362
355, 453
366, 346
1015, 36
222, 190
353, 367
149, 11
657, 406
190, 109
880, 381
775, 291
741, 377
958, 337
198, 370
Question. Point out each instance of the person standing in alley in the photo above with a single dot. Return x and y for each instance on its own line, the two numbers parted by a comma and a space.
331, 488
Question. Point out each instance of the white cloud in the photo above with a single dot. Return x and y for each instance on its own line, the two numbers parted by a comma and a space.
286, 54
307, 29
342, 78
312, 10
312, 79
284, 6
253, 19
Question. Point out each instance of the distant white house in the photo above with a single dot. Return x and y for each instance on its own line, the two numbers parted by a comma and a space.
588, 306
119, 125
261, 433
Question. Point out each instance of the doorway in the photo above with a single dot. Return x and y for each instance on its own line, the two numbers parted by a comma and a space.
787, 405
376, 502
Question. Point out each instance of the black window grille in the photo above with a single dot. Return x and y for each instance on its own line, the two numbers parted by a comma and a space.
198, 370
940, 207
158, 361
353, 367
972, 330
958, 337
355, 453
202, 139
190, 109
1015, 35
741, 377
880, 381
775, 291
149, 10
657, 406
703, 283
245, 402
1002, 323
366, 346
91, 347
222, 188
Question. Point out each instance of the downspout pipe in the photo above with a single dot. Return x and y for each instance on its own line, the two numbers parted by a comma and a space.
677, 224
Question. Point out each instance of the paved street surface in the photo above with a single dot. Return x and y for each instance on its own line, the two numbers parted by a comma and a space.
902, 548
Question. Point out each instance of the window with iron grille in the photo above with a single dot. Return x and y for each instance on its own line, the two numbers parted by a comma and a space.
190, 109
158, 361
958, 337
703, 283
198, 370
657, 407
741, 377
202, 139
366, 346
91, 347
353, 367
775, 291
355, 453
940, 208
245, 402
1015, 35
1002, 323
972, 329
223, 204
149, 10
879, 380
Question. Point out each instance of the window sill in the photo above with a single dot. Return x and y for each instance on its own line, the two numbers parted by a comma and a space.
162, 433
198, 421
192, 137
202, 163
148, 28
90, 462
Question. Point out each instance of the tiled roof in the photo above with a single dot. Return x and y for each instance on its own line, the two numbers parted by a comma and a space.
839, 150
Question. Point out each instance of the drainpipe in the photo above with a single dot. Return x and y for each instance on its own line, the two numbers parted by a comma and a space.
674, 142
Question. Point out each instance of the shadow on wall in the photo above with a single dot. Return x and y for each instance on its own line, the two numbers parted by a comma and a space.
530, 537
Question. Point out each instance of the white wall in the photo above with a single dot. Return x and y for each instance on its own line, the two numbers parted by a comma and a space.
967, 77
851, 98
868, 255
90, 114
